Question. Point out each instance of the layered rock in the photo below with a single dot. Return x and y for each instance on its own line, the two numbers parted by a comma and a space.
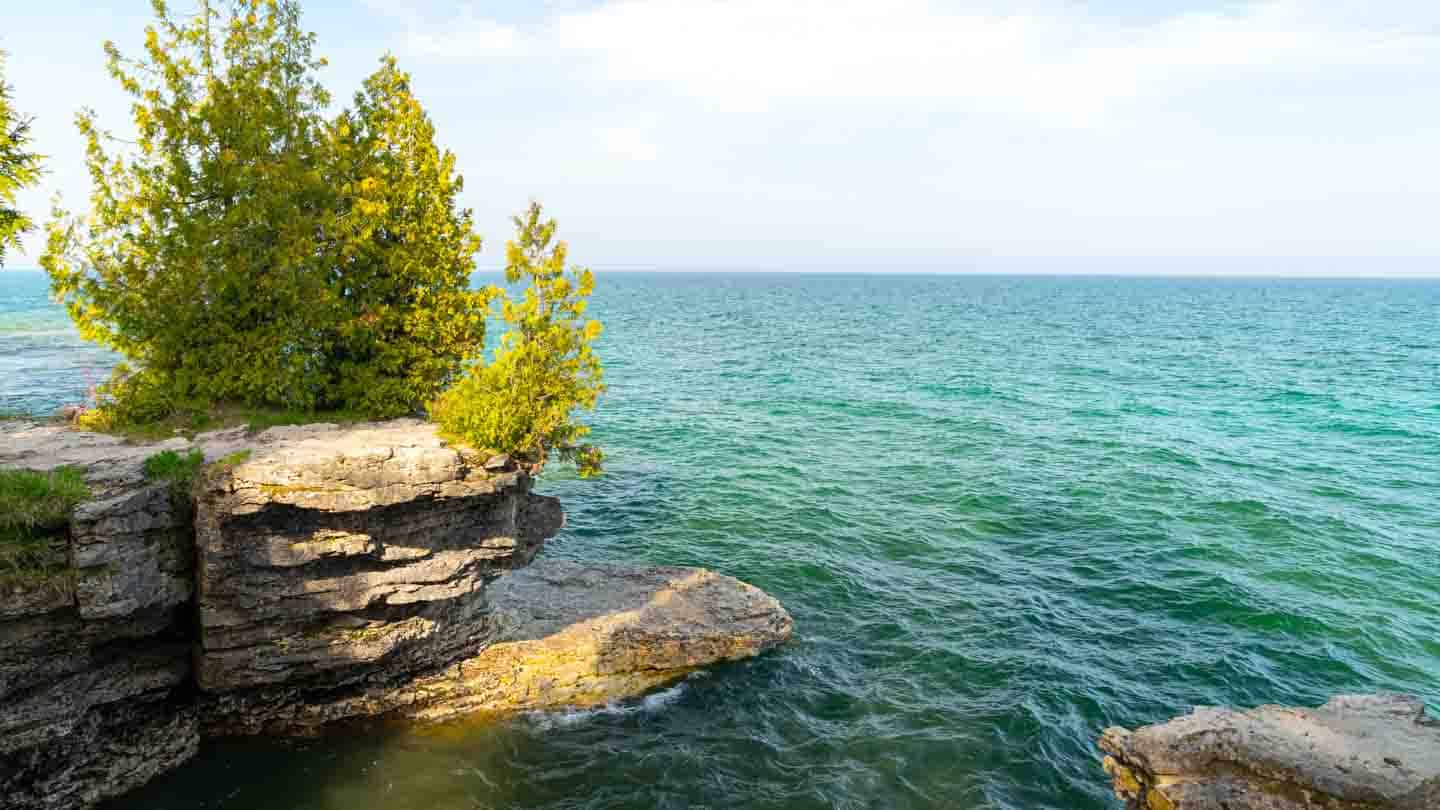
95, 656
584, 634
1357, 752
314, 574
338, 564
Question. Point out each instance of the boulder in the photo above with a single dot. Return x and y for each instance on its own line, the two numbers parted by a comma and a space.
1357, 752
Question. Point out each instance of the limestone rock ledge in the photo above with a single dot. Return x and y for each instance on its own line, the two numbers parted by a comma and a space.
324, 573
337, 565
572, 634
1357, 752
95, 661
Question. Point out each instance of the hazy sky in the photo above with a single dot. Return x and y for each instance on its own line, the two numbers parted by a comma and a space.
883, 134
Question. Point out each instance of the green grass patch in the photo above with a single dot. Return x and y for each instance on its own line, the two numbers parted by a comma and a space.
170, 466
178, 471
35, 508
233, 460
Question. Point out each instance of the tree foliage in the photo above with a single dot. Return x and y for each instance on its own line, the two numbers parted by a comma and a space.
406, 255
525, 400
247, 248
19, 167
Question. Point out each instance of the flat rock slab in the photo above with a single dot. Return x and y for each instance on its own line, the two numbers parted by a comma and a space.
1357, 752
104, 459
585, 634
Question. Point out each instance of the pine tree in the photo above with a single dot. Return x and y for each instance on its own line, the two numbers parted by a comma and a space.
248, 249
201, 260
545, 369
19, 167
404, 255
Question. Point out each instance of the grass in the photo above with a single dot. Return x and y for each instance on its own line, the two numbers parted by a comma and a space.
35, 508
173, 467
220, 417
232, 460
178, 471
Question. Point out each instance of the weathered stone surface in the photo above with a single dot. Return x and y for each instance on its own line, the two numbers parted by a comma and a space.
95, 672
104, 458
91, 708
95, 658
110, 750
583, 634
563, 634
335, 563
1357, 752
108, 461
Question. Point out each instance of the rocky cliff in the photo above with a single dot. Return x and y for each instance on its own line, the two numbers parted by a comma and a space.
1357, 752
315, 574
336, 565
95, 659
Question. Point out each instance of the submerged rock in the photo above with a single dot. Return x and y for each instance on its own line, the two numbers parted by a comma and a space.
1357, 752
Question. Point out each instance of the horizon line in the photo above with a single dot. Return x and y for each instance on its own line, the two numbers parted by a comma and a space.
628, 268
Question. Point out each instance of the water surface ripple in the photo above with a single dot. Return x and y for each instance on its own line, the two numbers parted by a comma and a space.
1005, 513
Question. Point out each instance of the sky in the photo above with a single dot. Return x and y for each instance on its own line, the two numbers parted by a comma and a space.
1271, 137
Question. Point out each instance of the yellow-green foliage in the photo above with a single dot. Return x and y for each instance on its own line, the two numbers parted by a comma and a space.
34, 506
405, 255
524, 401
19, 168
249, 249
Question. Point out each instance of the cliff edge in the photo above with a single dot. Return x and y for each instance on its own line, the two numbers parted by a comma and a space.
314, 574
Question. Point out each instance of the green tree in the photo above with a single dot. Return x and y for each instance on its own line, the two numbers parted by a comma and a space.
201, 258
404, 254
19, 167
247, 248
545, 369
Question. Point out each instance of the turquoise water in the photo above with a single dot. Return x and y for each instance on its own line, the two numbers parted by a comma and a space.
1005, 512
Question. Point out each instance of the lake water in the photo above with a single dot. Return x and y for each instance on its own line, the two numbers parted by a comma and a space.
1005, 513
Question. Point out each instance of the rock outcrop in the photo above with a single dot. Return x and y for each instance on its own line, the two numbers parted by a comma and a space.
337, 565
1357, 752
314, 574
585, 634
95, 659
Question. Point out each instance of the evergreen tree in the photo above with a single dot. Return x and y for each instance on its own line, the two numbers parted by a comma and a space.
19, 167
404, 255
545, 368
246, 249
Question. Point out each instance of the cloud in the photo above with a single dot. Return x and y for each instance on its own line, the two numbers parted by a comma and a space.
759, 132
1060, 68
475, 38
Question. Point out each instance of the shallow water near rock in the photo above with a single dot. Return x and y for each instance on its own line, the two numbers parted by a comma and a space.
1004, 512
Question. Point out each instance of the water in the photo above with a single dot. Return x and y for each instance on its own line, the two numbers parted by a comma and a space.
1005, 513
